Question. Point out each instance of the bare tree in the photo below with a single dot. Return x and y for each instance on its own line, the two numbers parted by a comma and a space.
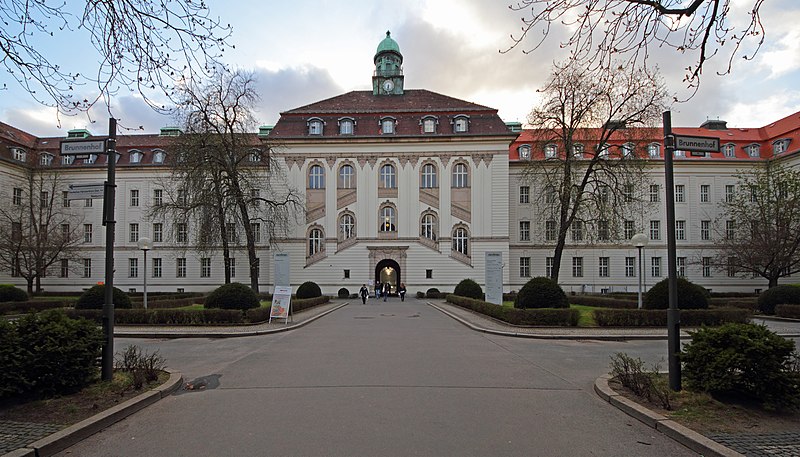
587, 161
37, 229
140, 45
601, 32
758, 231
230, 181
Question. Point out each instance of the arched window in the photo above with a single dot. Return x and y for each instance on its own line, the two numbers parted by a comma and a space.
19, 154
461, 124
315, 126
429, 124
346, 125
347, 226
316, 177
315, 241
461, 241
729, 150
387, 125
46, 159
428, 176
388, 177
135, 156
428, 226
627, 150
460, 176
158, 156
577, 150
654, 150
550, 151
525, 152
347, 177
254, 156
388, 220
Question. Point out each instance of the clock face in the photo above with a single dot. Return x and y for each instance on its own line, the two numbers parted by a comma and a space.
388, 85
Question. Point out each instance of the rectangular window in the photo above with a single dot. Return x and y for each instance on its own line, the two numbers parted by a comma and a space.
181, 199
346, 274
655, 267
256, 229
525, 267
680, 193
524, 194
630, 267
205, 267
549, 262
705, 230
255, 197
134, 197
64, 268
428, 274
158, 232
133, 231
233, 267
550, 230
44, 199
705, 193
182, 232
180, 267
680, 266
654, 193
732, 267
602, 231
133, 268
655, 230
577, 267
65, 199
730, 230
87, 268
730, 191
577, 231
525, 230
257, 264
230, 231
16, 199
603, 267
66, 234
706, 262
157, 264
630, 229
87, 203
87, 233
158, 197
680, 230
627, 193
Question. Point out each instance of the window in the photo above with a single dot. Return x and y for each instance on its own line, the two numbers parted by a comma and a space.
730, 191
680, 193
524, 194
525, 230
732, 261
182, 232
67, 160
87, 268
232, 266
255, 197
254, 155
315, 239
460, 176
629, 229
19, 154
429, 125
428, 176
66, 234
205, 267
388, 220
182, 198
428, 227
577, 267
16, 199
230, 233
133, 233
655, 230
87, 233
604, 194
158, 232
753, 150
347, 177
346, 274
550, 230
654, 150
655, 267
730, 230
753, 194
461, 241
680, 266
135, 156
705, 191
705, 230
158, 156
255, 227
46, 159
627, 193
133, 268
388, 179
346, 126
347, 226
134, 197
654, 193
577, 150
780, 146
87, 203
602, 231
158, 197
550, 195
602, 151
315, 126
64, 273
91, 159
387, 125
524, 152
16, 232
180, 267
680, 230
65, 199
461, 124
602, 267
549, 262
729, 150
577, 231
157, 267
316, 177
679, 153
550, 151
428, 274
706, 263
525, 267
630, 267
44, 199
627, 151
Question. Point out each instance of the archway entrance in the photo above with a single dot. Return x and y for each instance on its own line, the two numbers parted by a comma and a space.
388, 270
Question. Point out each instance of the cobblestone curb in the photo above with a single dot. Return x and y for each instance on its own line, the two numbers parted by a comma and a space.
71, 435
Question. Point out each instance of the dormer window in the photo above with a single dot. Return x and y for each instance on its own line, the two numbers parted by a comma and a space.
67, 160
627, 151
577, 150
91, 159
461, 124
550, 151
680, 153
158, 156
780, 146
654, 150
346, 125
254, 156
315, 125
19, 154
753, 150
602, 151
525, 152
135, 156
387, 125
429, 124
46, 159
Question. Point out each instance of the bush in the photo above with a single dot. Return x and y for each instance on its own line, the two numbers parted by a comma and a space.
24, 307
788, 311
743, 359
433, 293
541, 292
11, 293
141, 366
343, 293
232, 296
658, 317
541, 317
603, 301
469, 288
779, 295
308, 289
95, 297
631, 373
13, 357
420, 294
690, 296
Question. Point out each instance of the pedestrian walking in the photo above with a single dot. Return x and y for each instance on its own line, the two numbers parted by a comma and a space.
386, 288
378, 287
364, 292
402, 291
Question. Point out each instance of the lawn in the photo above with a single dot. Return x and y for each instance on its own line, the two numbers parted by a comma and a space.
586, 318
199, 307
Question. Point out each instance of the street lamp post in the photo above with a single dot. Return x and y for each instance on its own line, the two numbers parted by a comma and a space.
145, 245
640, 240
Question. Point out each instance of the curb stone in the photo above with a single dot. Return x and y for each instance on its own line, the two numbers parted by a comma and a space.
71, 435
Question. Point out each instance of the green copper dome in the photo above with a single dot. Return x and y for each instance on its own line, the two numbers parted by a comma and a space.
388, 45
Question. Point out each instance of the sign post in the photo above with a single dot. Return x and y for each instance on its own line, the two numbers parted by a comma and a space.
493, 275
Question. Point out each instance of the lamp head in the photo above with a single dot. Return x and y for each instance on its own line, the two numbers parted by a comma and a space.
145, 244
639, 240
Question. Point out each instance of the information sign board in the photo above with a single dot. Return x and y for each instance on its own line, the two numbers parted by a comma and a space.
281, 303
697, 143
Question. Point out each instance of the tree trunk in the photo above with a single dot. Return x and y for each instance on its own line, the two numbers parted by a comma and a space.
773, 281
29, 280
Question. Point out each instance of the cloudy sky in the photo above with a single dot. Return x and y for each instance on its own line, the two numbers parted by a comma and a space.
304, 51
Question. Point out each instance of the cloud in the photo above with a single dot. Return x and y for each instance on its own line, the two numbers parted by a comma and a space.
289, 88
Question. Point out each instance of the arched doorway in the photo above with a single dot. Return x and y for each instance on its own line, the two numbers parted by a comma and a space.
388, 270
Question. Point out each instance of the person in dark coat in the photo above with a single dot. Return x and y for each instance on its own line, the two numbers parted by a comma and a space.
402, 291
386, 288
364, 292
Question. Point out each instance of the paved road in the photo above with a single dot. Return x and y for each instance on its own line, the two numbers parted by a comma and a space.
384, 380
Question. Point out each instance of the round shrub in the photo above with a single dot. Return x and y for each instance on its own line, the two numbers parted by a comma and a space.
433, 293
742, 359
690, 296
469, 288
778, 295
11, 293
95, 297
541, 292
308, 289
343, 293
232, 296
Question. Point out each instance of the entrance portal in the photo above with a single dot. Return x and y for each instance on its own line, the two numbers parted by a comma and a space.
388, 270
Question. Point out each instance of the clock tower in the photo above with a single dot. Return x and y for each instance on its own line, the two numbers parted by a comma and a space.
388, 76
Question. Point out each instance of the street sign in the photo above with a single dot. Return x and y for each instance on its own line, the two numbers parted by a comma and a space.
85, 147
697, 143
84, 191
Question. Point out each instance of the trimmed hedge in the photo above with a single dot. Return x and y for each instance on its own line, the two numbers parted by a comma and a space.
24, 307
434, 293
232, 296
785, 294
603, 301
539, 317
690, 295
95, 297
788, 311
468, 288
658, 317
308, 289
541, 292
9, 292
